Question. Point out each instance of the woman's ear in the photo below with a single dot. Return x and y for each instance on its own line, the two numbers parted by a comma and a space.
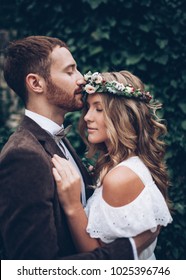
35, 83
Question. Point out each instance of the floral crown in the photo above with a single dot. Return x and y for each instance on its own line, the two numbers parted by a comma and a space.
96, 83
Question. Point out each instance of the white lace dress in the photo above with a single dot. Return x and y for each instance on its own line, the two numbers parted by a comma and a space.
145, 212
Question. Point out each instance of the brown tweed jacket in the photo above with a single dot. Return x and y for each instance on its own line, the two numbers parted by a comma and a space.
32, 223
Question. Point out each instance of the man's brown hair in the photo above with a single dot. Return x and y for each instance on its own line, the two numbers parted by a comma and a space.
28, 55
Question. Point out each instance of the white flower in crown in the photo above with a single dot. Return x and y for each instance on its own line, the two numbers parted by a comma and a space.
97, 78
115, 87
90, 89
88, 76
129, 89
118, 86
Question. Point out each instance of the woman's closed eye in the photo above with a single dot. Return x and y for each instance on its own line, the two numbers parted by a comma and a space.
99, 110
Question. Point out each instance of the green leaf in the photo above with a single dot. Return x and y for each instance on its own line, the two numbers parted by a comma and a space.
133, 59
168, 155
110, 22
175, 29
183, 125
117, 58
161, 43
95, 50
142, 66
145, 27
163, 59
173, 83
100, 34
182, 107
95, 3
126, 22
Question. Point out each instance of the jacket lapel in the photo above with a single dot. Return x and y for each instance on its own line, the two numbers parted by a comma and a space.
52, 148
42, 136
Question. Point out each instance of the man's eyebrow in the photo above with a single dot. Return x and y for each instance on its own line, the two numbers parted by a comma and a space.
73, 65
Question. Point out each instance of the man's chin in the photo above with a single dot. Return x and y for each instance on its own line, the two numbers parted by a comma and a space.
79, 104
77, 107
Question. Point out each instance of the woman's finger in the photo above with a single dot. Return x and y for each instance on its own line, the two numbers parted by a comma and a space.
61, 166
56, 175
61, 163
58, 166
64, 165
69, 177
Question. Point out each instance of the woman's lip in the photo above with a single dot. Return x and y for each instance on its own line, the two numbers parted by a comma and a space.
89, 129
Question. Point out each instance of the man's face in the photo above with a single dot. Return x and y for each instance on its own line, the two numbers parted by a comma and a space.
63, 88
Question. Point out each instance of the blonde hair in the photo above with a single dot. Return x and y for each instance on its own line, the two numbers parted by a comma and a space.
133, 129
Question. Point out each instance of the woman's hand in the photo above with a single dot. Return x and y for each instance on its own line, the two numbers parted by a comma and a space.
145, 239
68, 184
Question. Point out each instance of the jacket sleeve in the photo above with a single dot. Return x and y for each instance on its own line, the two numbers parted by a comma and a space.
27, 219
120, 249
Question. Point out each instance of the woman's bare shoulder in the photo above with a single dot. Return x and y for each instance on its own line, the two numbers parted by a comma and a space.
121, 186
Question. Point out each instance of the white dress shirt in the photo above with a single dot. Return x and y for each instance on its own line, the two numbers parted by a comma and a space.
52, 127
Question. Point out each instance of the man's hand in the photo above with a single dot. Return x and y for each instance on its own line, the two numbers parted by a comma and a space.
144, 239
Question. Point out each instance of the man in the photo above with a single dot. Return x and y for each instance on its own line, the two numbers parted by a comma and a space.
42, 71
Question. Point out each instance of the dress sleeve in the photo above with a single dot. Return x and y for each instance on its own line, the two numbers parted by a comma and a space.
146, 212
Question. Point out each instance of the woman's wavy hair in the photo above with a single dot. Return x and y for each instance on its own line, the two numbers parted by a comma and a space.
133, 128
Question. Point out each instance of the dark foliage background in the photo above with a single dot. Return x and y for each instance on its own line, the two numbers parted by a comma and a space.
146, 37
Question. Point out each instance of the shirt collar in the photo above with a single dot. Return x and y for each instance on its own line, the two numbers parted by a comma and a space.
43, 122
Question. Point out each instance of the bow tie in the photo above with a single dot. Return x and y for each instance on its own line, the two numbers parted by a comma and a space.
59, 135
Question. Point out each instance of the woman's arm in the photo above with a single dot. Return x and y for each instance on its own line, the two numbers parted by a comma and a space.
68, 185
69, 190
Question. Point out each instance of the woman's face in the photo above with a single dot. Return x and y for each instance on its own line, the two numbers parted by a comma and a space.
95, 120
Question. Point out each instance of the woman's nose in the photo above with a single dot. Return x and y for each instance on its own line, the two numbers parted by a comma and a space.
87, 117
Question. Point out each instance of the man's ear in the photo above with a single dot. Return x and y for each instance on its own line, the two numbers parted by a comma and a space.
35, 83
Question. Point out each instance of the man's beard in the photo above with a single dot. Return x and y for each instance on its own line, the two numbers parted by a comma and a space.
61, 98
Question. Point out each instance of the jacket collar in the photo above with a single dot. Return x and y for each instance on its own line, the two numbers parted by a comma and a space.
41, 135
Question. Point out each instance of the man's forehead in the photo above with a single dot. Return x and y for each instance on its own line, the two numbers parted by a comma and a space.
62, 55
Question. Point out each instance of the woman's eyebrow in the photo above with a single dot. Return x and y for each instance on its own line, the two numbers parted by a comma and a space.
94, 103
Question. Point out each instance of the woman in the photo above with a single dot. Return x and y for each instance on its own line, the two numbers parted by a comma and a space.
125, 135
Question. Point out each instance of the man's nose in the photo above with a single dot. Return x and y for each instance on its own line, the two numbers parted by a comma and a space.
80, 80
